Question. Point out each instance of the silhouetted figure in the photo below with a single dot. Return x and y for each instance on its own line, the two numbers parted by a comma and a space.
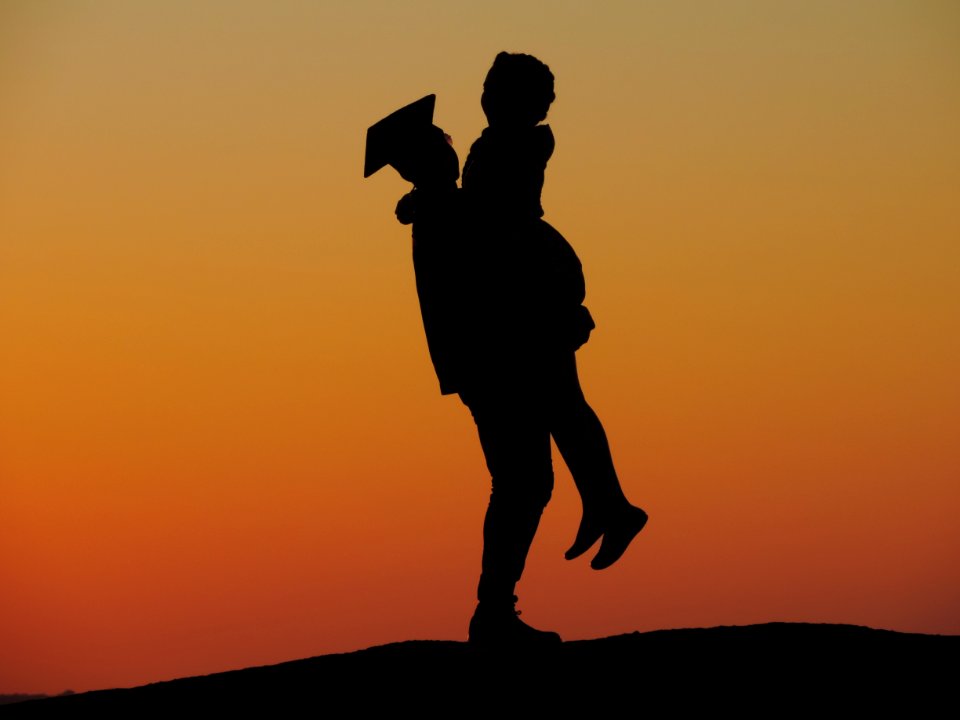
528, 388
501, 295
423, 155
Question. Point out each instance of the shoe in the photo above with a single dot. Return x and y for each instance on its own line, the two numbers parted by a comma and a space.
621, 530
587, 535
499, 625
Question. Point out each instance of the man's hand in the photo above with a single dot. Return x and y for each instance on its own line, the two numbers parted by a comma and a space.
582, 326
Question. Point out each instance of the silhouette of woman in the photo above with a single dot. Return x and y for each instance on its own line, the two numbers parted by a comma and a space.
501, 294
524, 387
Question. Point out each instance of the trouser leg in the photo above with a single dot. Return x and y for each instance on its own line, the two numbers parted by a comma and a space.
516, 444
582, 441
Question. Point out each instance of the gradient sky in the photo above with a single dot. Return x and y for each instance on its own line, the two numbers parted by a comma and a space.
221, 439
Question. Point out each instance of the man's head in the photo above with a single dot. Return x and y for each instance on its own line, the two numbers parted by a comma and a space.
408, 141
427, 158
518, 90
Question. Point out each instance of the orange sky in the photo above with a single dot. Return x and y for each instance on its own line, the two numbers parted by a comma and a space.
221, 440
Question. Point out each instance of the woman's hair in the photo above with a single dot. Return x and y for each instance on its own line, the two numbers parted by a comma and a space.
518, 90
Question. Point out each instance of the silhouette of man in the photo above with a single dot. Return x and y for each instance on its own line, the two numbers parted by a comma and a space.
501, 295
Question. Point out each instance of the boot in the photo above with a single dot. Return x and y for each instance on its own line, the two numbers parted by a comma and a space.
497, 624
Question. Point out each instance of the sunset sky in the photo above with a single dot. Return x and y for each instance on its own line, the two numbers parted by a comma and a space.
222, 443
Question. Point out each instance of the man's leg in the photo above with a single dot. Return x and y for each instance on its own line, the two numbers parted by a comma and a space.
516, 445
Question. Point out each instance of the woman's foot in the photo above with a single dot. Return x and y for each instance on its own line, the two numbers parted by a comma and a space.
622, 527
587, 535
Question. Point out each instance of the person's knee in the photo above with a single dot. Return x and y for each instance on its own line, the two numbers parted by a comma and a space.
529, 492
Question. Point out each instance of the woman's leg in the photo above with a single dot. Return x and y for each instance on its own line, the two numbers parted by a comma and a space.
583, 444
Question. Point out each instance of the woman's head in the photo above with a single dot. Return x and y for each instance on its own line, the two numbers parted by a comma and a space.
518, 90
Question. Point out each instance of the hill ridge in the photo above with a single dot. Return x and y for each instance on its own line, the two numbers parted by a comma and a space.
808, 661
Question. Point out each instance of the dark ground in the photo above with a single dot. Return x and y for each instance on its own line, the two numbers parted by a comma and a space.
772, 669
